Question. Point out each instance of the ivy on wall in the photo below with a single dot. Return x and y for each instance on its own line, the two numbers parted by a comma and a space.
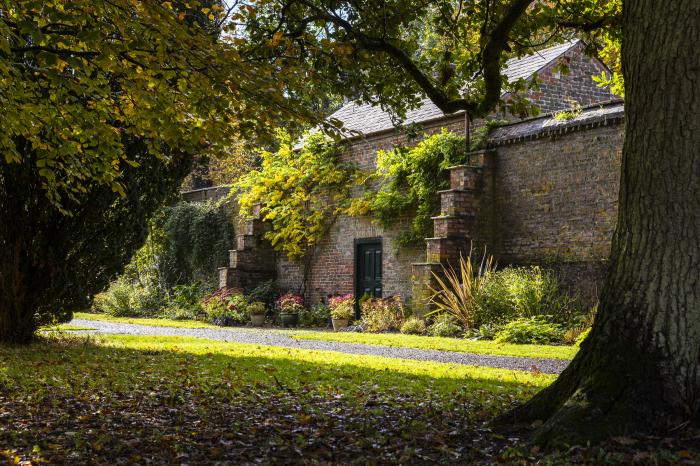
409, 181
187, 243
300, 192
199, 236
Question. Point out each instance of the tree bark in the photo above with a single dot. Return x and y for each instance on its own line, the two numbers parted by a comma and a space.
17, 325
639, 369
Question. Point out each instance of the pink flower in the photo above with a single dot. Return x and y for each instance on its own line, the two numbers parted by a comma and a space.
341, 300
290, 301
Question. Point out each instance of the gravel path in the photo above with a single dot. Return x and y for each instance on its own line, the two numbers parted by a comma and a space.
279, 338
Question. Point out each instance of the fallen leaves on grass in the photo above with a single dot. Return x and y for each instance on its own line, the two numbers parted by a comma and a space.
76, 401
159, 425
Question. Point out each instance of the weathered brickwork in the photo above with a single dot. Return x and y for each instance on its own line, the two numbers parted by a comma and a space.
332, 269
555, 203
556, 197
558, 89
539, 199
548, 201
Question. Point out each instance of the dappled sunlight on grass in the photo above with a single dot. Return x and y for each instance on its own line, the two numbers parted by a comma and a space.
116, 362
444, 344
81, 399
165, 396
144, 321
332, 368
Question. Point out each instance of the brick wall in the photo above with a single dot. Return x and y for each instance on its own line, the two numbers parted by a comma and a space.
332, 268
558, 89
554, 202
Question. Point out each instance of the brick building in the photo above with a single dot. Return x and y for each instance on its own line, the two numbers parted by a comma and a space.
544, 192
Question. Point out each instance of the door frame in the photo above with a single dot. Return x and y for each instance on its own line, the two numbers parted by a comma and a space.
357, 242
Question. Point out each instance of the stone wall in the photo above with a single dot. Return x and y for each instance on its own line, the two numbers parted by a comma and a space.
550, 199
554, 202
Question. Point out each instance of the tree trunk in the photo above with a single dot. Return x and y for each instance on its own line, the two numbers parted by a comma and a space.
17, 325
639, 368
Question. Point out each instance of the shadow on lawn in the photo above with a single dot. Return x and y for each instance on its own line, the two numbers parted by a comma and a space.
194, 401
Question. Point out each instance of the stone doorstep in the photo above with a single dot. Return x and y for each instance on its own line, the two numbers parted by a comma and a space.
466, 177
423, 270
255, 227
469, 216
454, 201
459, 190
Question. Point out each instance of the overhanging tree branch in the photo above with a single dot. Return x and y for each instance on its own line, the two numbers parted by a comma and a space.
493, 46
492, 51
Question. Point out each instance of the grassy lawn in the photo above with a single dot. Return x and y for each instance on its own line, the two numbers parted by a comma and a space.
383, 339
144, 321
444, 344
78, 399
65, 328
112, 399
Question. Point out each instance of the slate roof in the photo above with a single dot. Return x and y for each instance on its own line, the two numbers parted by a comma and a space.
526, 66
367, 119
595, 115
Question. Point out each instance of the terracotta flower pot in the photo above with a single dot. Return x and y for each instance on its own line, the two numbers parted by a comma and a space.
258, 320
289, 319
340, 324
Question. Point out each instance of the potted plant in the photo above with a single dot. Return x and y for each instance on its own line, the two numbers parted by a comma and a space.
289, 306
257, 311
342, 310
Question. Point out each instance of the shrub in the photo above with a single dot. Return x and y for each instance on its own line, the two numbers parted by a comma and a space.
226, 307
257, 308
124, 299
458, 292
444, 325
117, 300
342, 307
582, 324
413, 326
484, 332
179, 313
290, 303
523, 292
148, 301
196, 238
185, 301
267, 292
382, 314
316, 316
535, 330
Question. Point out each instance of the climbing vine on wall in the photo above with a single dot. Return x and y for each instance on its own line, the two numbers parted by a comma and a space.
409, 181
198, 237
187, 243
300, 192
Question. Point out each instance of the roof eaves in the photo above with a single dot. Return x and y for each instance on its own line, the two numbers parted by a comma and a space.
611, 112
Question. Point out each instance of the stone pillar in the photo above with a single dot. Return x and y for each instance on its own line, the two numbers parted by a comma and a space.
454, 231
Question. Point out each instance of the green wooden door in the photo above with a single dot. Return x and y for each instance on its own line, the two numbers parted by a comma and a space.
368, 269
